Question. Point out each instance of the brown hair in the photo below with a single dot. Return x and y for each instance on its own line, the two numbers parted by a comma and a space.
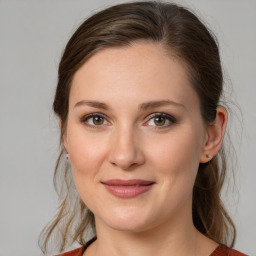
178, 30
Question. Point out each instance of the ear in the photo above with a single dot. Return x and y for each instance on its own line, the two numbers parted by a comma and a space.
64, 137
214, 135
64, 141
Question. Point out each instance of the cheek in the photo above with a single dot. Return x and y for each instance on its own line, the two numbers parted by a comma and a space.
176, 157
86, 150
176, 149
87, 153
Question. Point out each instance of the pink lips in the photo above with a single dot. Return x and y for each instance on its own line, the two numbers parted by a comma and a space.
127, 188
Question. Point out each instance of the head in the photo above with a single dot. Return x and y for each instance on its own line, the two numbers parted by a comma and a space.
178, 35
176, 28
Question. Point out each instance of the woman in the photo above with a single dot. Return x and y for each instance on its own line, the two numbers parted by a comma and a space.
142, 130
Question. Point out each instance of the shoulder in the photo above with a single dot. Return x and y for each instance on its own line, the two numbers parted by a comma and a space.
76, 252
79, 251
225, 251
235, 253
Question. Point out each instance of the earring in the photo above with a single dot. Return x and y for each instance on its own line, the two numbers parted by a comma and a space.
67, 156
209, 157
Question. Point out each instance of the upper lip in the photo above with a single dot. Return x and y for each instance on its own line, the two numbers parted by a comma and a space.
133, 182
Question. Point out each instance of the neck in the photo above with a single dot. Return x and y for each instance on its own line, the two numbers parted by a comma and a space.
170, 238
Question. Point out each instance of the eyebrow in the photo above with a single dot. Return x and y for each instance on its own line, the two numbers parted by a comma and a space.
155, 104
94, 104
142, 106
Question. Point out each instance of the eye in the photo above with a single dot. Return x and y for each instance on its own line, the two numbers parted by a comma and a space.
95, 119
161, 120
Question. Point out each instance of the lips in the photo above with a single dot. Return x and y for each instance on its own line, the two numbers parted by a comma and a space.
127, 188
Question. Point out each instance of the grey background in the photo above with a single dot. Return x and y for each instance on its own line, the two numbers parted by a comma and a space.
32, 36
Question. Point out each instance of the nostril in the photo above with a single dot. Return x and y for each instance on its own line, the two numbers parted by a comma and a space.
125, 153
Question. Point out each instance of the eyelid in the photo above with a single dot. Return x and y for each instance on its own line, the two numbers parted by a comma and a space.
162, 114
170, 118
86, 117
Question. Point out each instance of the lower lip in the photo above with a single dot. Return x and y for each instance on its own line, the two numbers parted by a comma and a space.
127, 191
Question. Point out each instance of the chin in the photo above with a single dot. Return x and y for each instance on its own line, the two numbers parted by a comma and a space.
128, 226
128, 220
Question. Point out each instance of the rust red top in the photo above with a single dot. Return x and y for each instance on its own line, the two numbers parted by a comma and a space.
76, 252
221, 250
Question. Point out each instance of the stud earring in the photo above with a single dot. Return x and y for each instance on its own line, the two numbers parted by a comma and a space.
208, 156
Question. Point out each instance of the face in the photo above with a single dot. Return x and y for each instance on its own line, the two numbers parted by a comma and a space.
135, 136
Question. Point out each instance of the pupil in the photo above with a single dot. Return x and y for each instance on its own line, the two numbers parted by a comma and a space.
159, 120
97, 120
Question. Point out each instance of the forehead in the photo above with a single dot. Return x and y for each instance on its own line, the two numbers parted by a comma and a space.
140, 72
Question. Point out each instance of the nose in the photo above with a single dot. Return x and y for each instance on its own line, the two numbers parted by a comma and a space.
126, 151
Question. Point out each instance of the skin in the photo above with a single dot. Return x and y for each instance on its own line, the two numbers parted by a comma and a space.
130, 143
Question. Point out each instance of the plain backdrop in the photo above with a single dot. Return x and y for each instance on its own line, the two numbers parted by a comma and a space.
33, 34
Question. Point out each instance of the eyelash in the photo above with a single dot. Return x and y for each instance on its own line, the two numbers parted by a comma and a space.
87, 117
167, 117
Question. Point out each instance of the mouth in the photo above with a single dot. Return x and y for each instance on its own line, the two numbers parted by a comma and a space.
127, 188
